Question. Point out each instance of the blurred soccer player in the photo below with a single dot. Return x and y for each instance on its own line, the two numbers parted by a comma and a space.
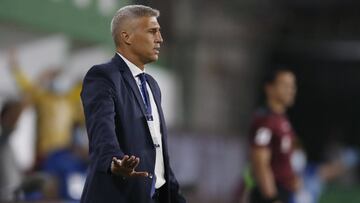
272, 142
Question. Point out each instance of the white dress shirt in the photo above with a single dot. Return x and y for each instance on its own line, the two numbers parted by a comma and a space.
154, 126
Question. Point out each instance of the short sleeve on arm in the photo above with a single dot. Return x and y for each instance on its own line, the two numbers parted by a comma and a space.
262, 136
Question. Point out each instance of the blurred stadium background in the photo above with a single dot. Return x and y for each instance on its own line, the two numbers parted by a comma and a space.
210, 70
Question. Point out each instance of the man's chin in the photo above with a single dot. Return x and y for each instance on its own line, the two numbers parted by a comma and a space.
153, 58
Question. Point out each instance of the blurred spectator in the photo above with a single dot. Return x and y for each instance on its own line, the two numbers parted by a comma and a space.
316, 176
10, 173
68, 166
57, 109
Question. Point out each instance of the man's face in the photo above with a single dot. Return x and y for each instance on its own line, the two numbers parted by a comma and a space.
283, 89
145, 39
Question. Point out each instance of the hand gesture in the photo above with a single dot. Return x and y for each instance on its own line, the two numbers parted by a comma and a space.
126, 167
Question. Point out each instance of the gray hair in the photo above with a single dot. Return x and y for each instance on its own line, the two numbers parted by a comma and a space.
130, 12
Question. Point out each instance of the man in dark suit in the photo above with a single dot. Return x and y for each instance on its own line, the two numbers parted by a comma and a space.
124, 119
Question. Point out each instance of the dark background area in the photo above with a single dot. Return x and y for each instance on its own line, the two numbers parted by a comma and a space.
319, 42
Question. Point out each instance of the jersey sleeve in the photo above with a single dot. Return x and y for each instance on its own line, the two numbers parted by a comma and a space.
261, 134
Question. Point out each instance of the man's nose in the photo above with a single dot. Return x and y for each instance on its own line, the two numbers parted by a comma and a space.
159, 38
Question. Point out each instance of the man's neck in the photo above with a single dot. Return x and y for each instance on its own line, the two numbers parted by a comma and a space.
276, 107
132, 58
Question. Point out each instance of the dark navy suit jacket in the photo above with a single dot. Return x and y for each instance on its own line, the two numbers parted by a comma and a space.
117, 126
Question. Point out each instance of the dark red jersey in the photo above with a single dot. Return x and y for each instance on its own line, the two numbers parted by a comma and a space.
274, 131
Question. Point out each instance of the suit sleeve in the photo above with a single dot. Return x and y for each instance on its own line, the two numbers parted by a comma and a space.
99, 107
175, 193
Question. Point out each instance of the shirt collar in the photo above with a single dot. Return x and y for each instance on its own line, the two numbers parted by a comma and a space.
133, 68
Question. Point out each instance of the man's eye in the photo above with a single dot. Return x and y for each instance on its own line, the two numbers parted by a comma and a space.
152, 31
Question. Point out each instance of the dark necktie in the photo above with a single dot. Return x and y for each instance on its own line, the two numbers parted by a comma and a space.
145, 95
146, 98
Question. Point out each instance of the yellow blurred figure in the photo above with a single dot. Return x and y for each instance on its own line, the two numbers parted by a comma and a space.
56, 112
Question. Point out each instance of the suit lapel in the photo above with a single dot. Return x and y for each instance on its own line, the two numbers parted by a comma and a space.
129, 79
132, 83
156, 93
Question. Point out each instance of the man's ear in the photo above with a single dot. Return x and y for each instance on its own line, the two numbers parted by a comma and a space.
126, 37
